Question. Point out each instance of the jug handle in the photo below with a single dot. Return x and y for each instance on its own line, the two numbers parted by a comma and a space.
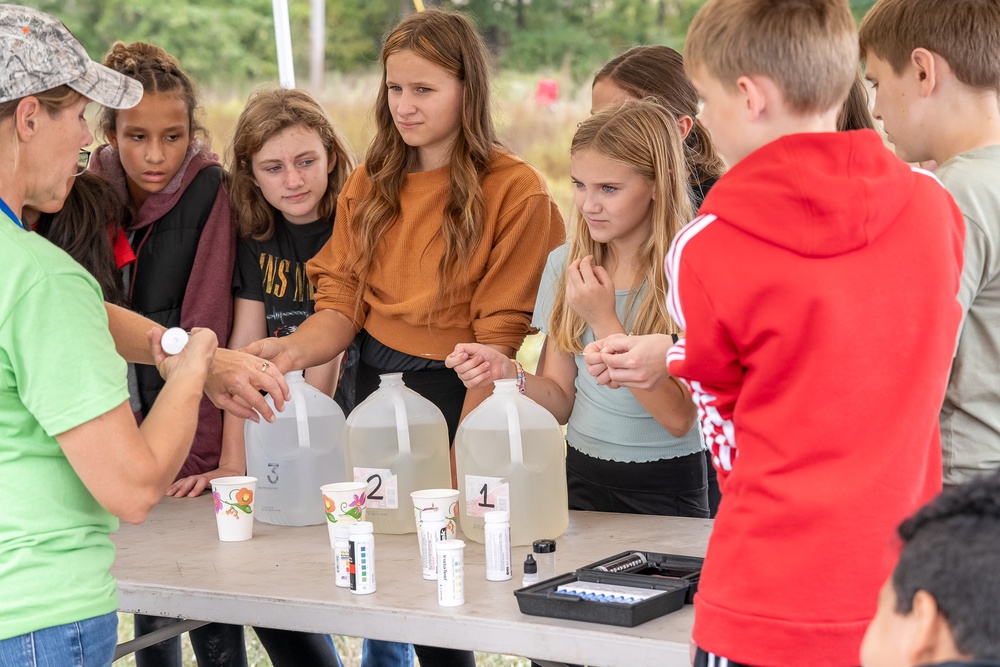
301, 418
514, 432
402, 425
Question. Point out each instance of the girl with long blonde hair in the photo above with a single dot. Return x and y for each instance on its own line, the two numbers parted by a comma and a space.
629, 451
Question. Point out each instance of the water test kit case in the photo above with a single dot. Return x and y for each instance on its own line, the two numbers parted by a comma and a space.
655, 583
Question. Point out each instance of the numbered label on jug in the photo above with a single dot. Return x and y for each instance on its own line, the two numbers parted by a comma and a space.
486, 494
383, 487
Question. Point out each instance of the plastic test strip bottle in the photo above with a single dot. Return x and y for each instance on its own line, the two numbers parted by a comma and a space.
362, 565
433, 531
497, 534
451, 573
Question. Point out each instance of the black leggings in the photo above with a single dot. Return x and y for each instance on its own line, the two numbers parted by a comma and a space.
222, 645
714, 494
215, 644
668, 487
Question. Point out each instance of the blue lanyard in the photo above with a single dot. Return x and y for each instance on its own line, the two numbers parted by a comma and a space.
10, 214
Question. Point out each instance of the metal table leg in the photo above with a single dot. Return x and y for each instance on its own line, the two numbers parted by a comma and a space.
157, 636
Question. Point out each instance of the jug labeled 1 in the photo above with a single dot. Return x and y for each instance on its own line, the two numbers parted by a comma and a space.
294, 456
397, 441
510, 455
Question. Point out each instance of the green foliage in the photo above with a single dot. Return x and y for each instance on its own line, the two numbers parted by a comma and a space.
221, 41
355, 30
860, 7
213, 40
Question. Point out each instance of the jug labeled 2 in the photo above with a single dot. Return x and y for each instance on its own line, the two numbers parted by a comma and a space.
291, 458
510, 455
397, 441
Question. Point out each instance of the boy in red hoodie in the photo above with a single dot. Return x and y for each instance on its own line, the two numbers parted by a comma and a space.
817, 291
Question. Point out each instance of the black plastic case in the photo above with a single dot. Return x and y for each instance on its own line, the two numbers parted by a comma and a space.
676, 575
659, 566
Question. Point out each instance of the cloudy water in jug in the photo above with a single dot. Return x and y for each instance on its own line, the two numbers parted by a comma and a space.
291, 464
510, 455
392, 477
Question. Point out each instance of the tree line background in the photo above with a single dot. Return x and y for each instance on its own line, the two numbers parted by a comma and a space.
232, 41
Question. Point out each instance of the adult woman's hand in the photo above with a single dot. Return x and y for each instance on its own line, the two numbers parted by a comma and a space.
196, 356
235, 379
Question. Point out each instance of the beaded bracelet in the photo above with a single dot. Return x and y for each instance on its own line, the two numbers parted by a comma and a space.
520, 375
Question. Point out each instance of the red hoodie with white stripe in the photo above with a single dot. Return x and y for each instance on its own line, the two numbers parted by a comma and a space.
817, 291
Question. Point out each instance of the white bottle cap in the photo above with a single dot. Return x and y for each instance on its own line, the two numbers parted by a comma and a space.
362, 527
173, 340
342, 531
497, 516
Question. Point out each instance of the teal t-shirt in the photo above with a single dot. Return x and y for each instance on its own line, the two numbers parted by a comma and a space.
605, 423
58, 369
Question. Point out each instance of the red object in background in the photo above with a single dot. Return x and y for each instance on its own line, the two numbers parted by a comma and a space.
123, 250
547, 92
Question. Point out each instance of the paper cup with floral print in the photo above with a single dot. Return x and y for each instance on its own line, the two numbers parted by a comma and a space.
233, 498
446, 499
343, 502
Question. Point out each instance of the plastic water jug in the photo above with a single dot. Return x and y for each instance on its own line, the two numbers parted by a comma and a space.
511, 457
397, 441
291, 458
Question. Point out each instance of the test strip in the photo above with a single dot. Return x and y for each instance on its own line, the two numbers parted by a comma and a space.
610, 592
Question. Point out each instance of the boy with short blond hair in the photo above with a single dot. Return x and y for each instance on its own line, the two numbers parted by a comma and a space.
935, 65
817, 293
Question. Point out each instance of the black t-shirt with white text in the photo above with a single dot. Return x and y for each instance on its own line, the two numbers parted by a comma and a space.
274, 271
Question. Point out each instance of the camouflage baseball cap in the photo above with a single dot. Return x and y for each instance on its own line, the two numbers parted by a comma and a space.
39, 53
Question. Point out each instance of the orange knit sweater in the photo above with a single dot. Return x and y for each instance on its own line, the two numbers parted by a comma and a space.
492, 299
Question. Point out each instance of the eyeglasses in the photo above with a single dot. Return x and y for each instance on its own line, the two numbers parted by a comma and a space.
82, 161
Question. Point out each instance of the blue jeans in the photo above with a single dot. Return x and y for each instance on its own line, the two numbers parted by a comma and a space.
376, 653
88, 643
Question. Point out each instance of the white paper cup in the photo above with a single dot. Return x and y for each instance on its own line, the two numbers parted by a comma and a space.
446, 499
234, 498
344, 503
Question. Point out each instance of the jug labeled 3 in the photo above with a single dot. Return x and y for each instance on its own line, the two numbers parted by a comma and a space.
397, 441
510, 455
291, 458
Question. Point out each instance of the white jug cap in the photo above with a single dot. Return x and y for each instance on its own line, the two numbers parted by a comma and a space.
173, 340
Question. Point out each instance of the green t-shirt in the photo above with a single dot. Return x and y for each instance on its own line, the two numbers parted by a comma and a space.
58, 369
